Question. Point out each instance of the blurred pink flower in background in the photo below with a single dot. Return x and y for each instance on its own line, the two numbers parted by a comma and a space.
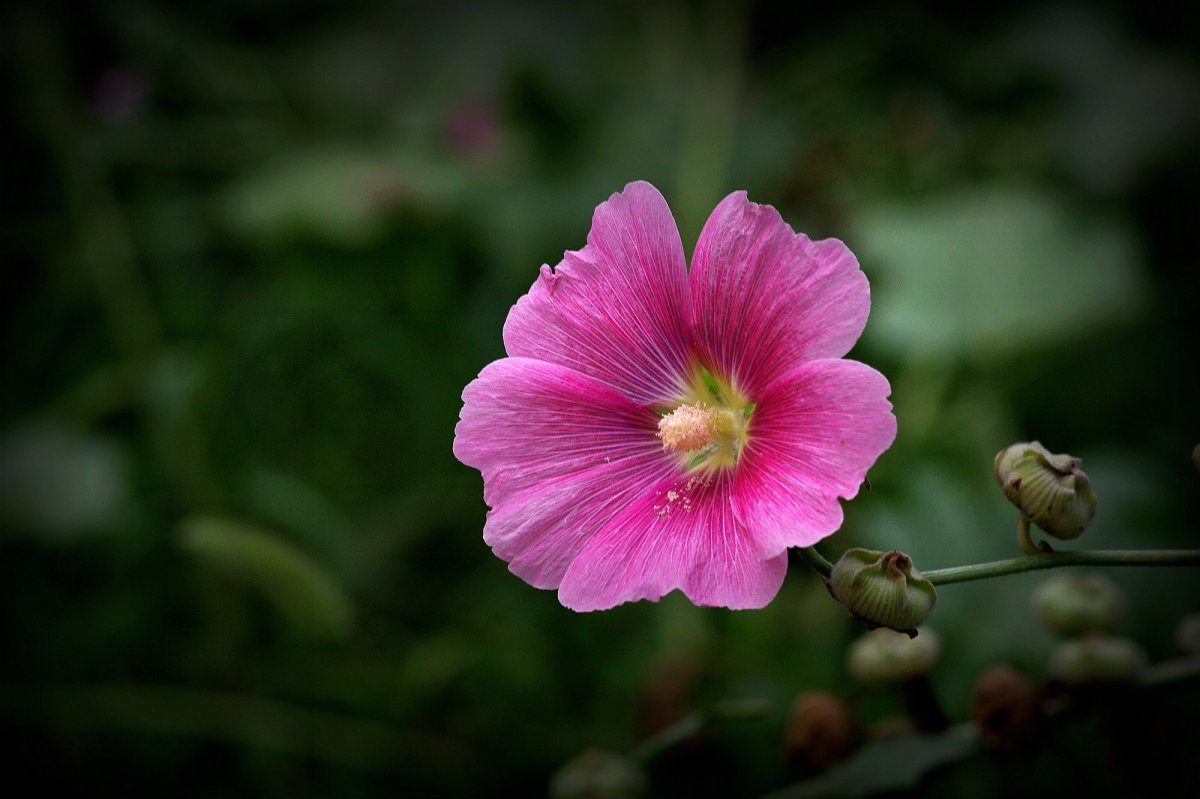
472, 130
656, 428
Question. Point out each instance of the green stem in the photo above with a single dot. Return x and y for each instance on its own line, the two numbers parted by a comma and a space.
814, 559
1025, 541
1053, 560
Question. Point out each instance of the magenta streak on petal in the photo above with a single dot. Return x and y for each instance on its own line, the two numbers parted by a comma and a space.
813, 436
617, 309
560, 454
683, 534
766, 299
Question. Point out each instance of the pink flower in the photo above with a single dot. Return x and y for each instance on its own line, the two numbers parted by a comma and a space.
655, 428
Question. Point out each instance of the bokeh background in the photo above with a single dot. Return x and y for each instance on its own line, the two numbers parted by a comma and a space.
255, 250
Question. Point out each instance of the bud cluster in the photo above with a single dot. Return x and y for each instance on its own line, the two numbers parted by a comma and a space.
1083, 610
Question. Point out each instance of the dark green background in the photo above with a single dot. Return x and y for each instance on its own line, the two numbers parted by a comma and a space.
254, 251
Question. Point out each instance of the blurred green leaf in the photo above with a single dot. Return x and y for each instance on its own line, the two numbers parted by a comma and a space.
1123, 106
301, 509
244, 719
342, 197
894, 764
302, 591
992, 271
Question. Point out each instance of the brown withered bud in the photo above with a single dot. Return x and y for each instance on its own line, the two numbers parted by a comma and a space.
668, 693
820, 732
1008, 710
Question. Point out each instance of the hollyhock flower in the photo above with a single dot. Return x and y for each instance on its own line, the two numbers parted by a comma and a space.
655, 428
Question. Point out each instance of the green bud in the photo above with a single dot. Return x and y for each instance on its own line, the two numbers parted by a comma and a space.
1072, 605
596, 774
882, 589
1050, 489
1097, 659
885, 656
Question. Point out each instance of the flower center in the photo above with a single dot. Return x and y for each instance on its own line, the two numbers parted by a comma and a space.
709, 426
688, 427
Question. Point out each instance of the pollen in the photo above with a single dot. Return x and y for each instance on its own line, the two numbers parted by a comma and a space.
688, 428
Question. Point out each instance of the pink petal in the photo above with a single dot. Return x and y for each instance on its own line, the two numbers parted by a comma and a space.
766, 299
683, 534
813, 436
617, 309
560, 454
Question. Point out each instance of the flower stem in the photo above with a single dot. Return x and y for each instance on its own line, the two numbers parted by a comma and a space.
814, 559
1053, 560
1024, 540
922, 706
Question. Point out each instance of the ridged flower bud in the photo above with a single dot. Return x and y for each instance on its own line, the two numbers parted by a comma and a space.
886, 656
1050, 489
1073, 604
882, 589
1097, 659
